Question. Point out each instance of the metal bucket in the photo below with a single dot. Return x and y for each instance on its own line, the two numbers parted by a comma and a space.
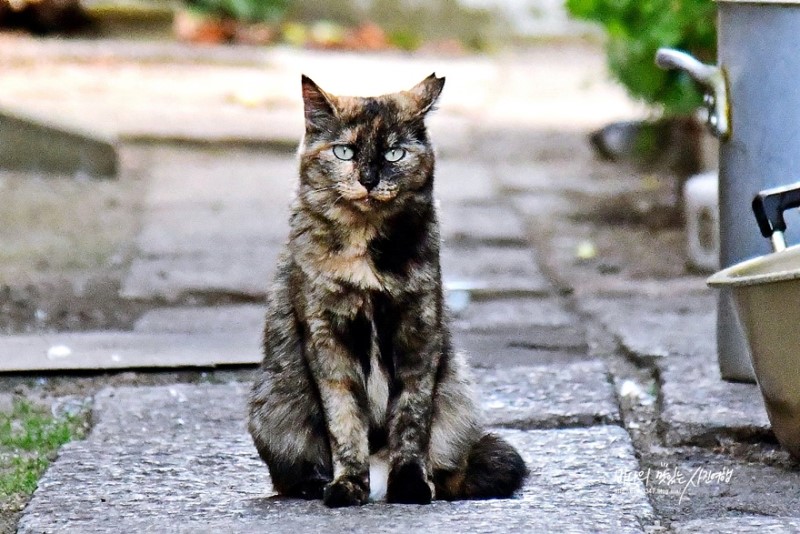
766, 292
753, 96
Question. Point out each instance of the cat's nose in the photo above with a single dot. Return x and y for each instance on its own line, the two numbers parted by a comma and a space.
369, 180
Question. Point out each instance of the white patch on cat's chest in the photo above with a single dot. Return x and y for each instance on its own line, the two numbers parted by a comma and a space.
378, 477
377, 392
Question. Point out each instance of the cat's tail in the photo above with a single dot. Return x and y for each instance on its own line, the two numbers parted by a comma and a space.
493, 470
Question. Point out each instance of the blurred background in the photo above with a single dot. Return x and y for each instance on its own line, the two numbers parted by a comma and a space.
129, 128
87, 83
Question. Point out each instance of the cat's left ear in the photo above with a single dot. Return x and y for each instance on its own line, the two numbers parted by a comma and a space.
426, 93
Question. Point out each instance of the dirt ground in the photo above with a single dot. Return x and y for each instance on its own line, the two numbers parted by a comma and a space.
67, 241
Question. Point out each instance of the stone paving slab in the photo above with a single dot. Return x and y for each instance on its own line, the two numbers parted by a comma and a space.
209, 229
481, 223
175, 278
522, 178
522, 329
651, 328
206, 207
550, 347
236, 318
512, 313
698, 407
531, 344
749, 524
177, 459
568, 178
678, 336
460, 180
543, 205
568, 338
127, 350
552, 396
491, 271
219, 176
697, 485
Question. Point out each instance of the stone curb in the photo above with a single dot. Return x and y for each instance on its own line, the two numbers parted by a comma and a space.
43, 145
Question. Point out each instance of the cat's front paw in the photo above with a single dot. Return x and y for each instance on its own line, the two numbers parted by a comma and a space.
408, 485
346, 491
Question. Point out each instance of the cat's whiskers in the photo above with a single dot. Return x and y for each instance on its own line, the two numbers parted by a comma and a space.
309, 194
339, 196
321, 189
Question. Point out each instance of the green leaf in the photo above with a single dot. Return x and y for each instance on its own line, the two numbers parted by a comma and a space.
636, 29
244, 10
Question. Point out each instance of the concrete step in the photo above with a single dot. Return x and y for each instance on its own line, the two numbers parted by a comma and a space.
43, 145
488, 331
94, 351
178, 459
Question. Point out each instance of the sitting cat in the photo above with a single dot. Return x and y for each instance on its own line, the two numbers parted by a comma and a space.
358, 358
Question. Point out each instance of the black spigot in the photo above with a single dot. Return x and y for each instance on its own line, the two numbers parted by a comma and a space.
769, 206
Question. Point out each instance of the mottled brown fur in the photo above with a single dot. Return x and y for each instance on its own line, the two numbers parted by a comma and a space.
358, 356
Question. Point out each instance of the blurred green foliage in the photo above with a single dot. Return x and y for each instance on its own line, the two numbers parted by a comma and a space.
405, 39
243, 10
637, 28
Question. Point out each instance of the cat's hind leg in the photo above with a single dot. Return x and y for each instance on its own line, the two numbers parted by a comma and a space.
286, 418
289, 433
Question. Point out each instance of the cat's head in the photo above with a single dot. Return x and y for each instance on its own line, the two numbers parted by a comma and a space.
366, 155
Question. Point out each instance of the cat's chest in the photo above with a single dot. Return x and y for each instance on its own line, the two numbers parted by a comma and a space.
355, 269
351, 262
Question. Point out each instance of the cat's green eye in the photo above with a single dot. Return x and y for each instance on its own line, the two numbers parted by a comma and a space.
394, 154
343, 152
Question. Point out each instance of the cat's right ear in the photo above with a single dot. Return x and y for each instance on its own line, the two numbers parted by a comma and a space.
318, 104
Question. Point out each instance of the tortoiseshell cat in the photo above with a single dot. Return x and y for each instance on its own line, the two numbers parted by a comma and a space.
358, 358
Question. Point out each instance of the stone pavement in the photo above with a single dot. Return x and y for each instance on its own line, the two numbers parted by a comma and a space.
186, 464
600, 368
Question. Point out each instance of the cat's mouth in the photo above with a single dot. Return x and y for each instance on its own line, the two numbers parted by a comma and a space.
382, 196
371, 200
363, 198
361, 202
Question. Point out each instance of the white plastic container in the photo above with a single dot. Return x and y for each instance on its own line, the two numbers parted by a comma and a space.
701, 200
